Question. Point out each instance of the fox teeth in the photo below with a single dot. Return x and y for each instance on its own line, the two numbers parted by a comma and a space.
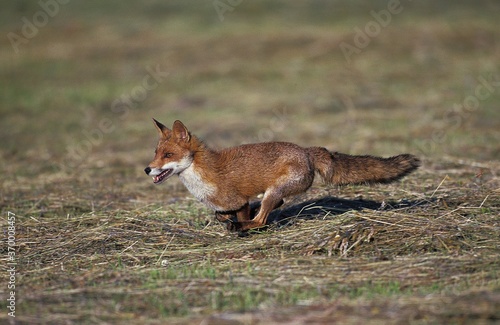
162, 176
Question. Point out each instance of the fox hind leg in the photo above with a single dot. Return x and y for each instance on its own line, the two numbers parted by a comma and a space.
270, 202
255, 207
297, 180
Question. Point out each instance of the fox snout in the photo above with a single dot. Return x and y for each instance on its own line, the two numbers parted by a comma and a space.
159, 174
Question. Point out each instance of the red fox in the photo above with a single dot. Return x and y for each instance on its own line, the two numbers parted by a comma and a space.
225, 180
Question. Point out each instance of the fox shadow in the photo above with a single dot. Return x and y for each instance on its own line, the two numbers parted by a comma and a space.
322, 207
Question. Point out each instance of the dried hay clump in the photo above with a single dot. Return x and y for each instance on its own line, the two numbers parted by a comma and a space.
428, 226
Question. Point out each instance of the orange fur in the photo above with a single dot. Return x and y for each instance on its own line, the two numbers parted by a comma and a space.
226, 180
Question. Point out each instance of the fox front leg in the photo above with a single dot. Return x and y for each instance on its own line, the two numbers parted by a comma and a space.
228, 217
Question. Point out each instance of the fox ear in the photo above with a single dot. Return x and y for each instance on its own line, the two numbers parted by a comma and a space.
162, 129
181, 132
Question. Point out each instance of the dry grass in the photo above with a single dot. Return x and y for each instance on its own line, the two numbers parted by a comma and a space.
421, 259
96, 242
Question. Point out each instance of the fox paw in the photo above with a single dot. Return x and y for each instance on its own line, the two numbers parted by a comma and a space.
234, 226
238, 228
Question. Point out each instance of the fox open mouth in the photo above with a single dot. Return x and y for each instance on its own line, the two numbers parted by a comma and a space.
158, 179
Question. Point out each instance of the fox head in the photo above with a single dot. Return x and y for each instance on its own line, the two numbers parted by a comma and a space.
172, 154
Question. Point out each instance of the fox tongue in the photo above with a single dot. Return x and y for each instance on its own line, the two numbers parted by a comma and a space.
159, 178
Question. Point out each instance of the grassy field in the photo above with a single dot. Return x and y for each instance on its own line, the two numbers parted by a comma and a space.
96, 242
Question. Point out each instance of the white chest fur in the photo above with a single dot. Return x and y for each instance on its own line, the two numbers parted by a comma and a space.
197, 186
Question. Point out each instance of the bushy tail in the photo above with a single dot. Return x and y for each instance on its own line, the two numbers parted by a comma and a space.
341, 169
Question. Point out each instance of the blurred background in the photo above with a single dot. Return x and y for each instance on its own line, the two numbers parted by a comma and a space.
81, 80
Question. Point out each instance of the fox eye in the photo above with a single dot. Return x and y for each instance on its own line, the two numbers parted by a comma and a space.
168, 155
